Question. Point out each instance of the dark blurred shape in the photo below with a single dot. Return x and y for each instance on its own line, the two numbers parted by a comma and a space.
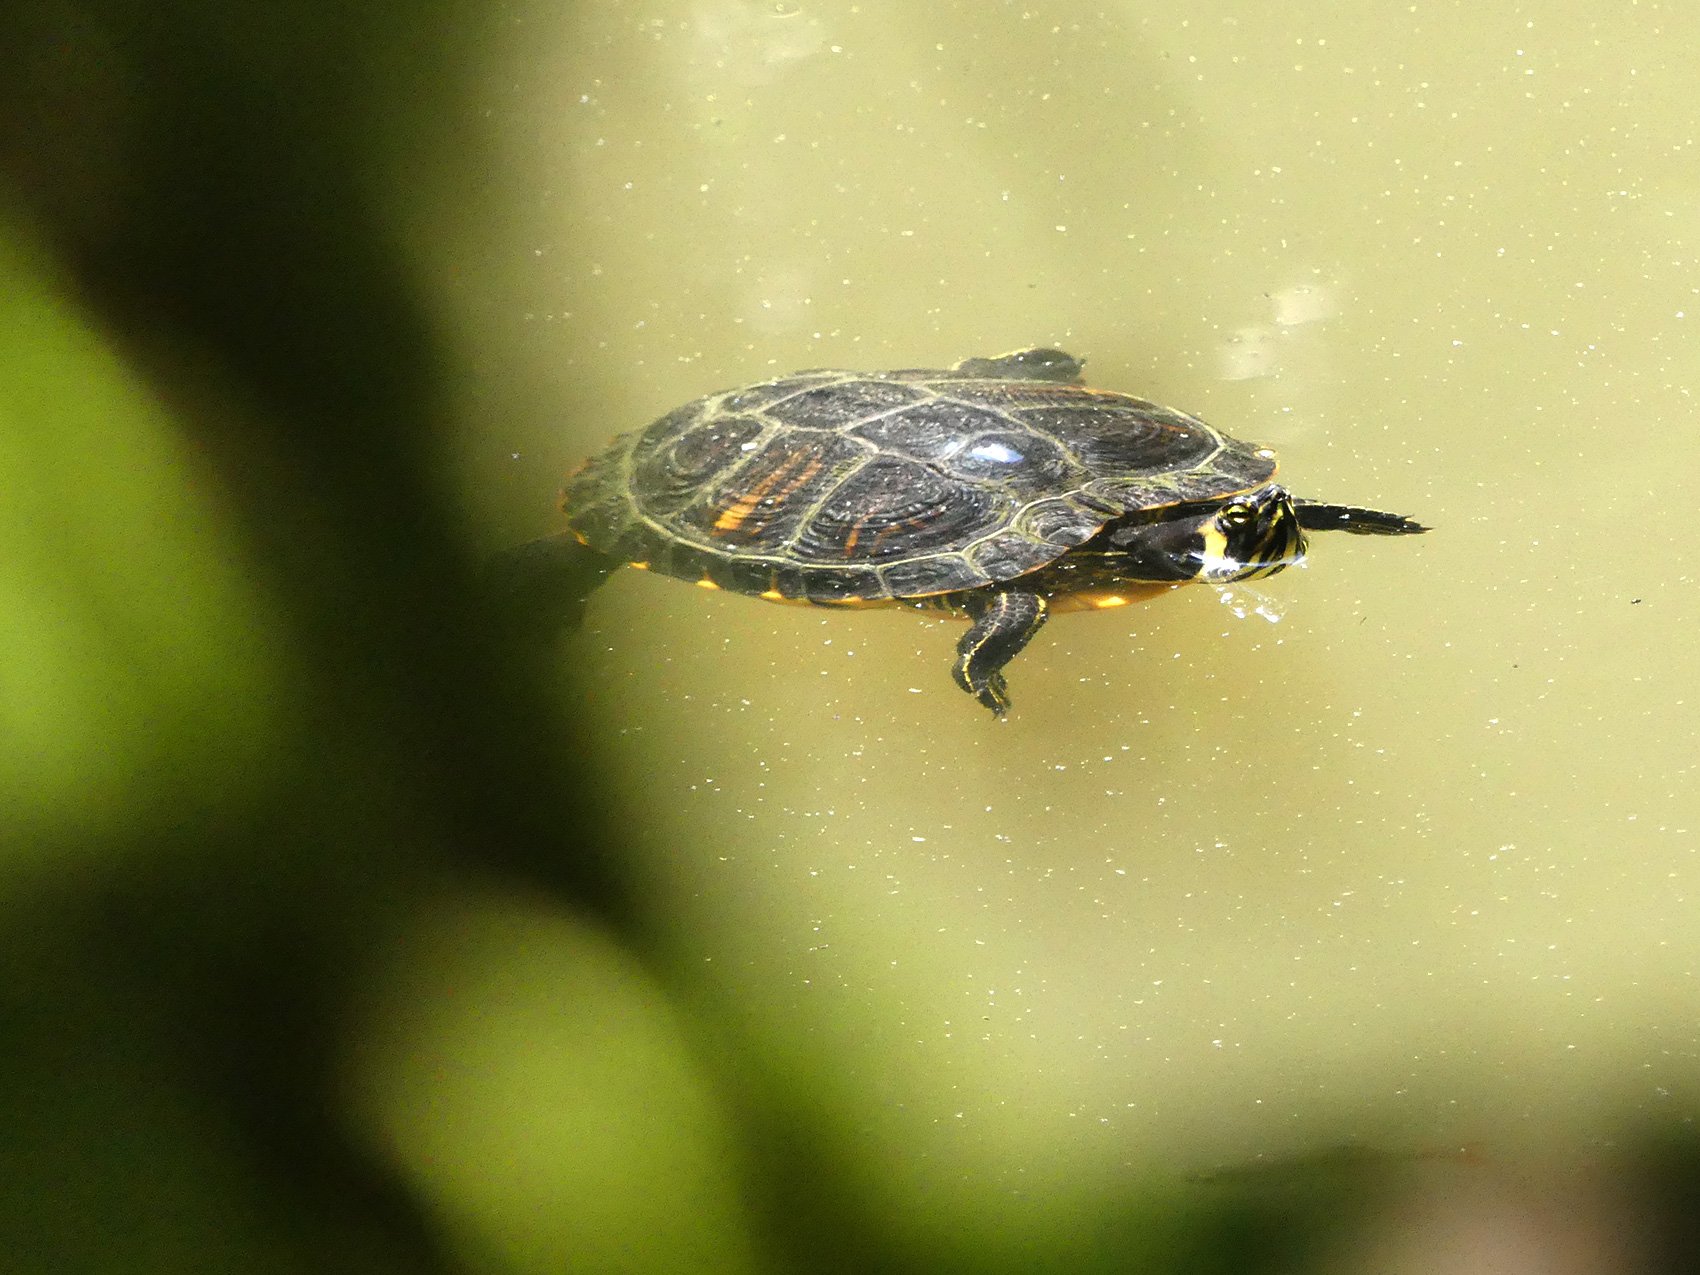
211, 182
538, 590
1666, 1183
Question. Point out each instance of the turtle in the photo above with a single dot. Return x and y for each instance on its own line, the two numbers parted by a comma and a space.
1001, 490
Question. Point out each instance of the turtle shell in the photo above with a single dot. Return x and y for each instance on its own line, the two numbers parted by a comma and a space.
838, 486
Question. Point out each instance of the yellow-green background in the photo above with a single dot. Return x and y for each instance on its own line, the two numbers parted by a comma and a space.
1408, 867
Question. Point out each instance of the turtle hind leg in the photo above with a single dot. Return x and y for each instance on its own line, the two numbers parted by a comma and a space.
1004, 622
1025, 365
539, 589
1315, 516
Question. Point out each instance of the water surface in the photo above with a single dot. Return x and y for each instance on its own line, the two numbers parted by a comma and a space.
1413, 860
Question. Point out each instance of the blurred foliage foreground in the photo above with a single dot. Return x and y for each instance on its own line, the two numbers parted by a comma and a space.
313, 956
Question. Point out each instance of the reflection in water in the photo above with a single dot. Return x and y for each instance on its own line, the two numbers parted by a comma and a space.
1274, 347
1243, 600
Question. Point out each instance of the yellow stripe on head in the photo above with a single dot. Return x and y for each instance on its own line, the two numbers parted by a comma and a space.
1215, 562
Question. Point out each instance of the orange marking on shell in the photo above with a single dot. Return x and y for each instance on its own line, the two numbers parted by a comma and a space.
773, 595
640, 566
810, 469
734, 515
706, 583
892, 529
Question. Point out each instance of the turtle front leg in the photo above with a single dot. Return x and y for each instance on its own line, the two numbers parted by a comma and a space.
1316, 516
1003, 624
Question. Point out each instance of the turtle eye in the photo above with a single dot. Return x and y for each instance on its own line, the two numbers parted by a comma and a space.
1235, 516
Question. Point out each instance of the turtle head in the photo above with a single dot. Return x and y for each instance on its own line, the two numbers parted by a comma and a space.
1253, 534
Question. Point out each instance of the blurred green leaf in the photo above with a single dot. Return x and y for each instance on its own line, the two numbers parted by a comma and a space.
133, 659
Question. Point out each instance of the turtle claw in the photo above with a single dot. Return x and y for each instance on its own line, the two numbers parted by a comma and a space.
993, 692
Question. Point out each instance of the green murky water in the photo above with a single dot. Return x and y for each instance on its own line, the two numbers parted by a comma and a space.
1413, 862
